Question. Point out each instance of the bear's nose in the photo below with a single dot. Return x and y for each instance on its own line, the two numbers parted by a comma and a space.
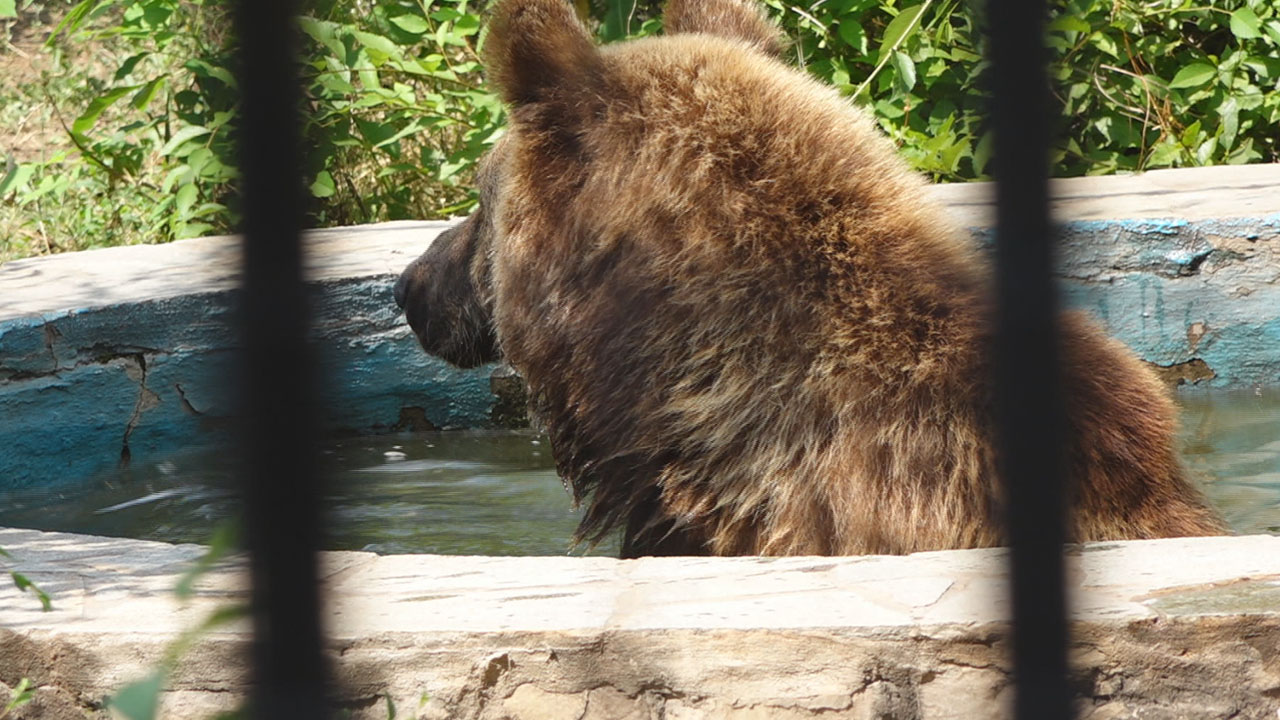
401, 289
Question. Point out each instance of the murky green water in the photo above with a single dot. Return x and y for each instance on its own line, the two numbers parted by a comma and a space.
497, 493
462, 493
1231, 444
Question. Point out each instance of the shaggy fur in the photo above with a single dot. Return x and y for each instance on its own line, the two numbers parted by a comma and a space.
740, 322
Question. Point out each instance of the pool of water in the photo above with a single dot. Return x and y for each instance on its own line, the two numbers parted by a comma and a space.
462, 493
496, 493
1231, 444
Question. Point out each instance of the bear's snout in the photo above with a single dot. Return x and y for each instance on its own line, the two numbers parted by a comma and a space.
402, 287
441, 305
412, 291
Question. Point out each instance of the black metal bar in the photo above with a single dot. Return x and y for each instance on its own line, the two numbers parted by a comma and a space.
1029, 400
280, 428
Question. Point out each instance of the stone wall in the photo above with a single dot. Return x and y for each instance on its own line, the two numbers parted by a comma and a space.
1162, 630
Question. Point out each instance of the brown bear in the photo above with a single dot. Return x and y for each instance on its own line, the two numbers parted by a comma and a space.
743, 326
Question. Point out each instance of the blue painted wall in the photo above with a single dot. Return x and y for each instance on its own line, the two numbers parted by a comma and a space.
78, 388
1177, 291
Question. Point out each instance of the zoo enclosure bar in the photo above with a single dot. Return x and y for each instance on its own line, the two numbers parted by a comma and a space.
279, 430
1030, 412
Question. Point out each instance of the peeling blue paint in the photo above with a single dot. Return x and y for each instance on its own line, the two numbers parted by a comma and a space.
71, 382
1177, 291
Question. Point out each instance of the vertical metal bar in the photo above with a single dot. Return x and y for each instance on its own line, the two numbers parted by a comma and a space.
279, 430
1029, 401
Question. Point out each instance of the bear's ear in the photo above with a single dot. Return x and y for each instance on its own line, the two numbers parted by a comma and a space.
735, 19
537, 48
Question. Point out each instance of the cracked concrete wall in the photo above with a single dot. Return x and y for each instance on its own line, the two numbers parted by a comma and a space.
145, 372
83, 391
1161, 630
1200, 298
123, 353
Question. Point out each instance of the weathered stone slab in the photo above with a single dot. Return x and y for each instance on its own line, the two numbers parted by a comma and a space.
1162, 629
1190, 194
120, 353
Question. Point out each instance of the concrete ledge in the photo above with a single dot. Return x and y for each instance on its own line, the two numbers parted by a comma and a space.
1162, 629
113, 354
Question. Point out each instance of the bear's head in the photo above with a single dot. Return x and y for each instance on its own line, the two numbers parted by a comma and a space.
544, 64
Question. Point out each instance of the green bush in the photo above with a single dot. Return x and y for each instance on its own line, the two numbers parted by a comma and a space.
1139, 85
1166, 84
396, 114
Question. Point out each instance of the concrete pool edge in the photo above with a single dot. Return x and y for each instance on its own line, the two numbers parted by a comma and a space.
1162, 629
115, 355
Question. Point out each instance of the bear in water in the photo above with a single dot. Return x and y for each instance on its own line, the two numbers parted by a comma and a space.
741, 322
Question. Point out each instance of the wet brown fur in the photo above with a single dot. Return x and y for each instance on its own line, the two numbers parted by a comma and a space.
741, 322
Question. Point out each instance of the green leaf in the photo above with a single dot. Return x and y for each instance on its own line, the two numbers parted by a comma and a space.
467, 25
1193, 75
617, 19
1069, 23
1272, 29
1164, 154
184, 199
446, 14
180, 173
141, 699
374, 132
1245, 25
143, 97
377, 42
413, 24
853, 34
89, 117
901, 26
1191, 135
1244, 154
202, 68
14, 180
369, 76
1105, 44
183, 135
128, 65
1204, 153
21, 695
323, 186
22, 583
408, 129
906, 70
1229, 110
190, 230
8, 9
72, 20
1266, 68
323, 32
982, 153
